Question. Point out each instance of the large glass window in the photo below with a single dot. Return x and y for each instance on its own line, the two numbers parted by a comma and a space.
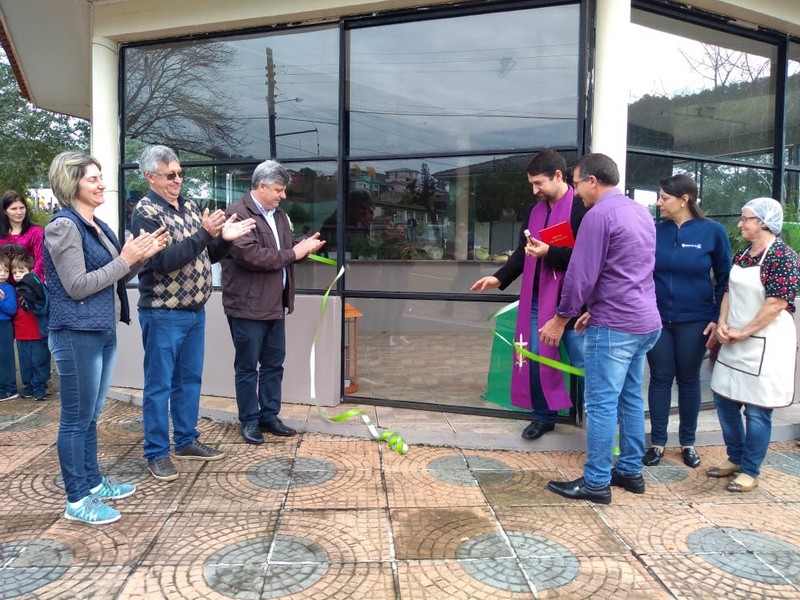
722, 188
236, 97
791, 188
421, 190
703, 103
430, 86
435, 224
499, 81
793, 107
310, 197
699, 91
435, 352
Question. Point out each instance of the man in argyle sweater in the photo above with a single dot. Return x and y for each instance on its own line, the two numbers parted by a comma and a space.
174, 287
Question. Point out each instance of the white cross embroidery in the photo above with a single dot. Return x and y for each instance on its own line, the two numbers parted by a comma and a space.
520, 360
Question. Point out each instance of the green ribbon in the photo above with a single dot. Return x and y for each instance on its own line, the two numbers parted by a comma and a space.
392, 438
323, 260
527, 353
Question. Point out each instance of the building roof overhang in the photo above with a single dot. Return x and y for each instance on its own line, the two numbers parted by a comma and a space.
48, 44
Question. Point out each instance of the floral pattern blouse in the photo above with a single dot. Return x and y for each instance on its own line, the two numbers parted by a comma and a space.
779, 273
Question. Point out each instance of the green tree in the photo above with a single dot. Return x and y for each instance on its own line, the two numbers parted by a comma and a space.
31, 137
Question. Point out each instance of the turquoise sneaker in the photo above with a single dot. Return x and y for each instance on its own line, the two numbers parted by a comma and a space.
110, 490
93, 512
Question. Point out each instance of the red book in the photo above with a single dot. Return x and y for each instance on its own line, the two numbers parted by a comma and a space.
559, 234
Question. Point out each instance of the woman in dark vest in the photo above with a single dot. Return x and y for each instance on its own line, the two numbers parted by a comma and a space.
86, 272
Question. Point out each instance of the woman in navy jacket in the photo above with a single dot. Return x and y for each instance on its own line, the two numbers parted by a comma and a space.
693, 258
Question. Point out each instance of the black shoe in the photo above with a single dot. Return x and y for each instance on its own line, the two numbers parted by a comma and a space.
537, 429
163, 469
199, 451
578, 490
652, 457
632, 483
276, 427
252, 434
690, 457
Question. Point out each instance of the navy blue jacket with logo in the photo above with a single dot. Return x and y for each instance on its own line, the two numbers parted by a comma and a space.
687, 257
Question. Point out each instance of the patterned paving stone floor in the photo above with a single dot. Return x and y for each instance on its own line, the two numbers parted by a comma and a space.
319, 516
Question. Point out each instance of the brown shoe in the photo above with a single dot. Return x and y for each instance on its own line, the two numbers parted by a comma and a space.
723, 470
743, 483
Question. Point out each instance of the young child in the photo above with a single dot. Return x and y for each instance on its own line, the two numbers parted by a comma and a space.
30, 328
8, 308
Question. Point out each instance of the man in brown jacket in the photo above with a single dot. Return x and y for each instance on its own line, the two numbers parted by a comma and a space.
257, 293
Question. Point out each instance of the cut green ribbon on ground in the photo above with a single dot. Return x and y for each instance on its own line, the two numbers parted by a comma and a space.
393, 439
527, 353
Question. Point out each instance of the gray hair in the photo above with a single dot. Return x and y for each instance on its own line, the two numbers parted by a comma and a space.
603, 168
769, 211
65, 172
152, 155
269, 172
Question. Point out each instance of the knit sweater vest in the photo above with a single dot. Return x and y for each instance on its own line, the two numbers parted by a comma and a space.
95, 312
188, 287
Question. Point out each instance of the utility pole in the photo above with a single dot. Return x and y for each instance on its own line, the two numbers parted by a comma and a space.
273, 149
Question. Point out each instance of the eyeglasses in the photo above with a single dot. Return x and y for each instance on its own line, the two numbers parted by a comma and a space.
577, 181
746, 219
172, 176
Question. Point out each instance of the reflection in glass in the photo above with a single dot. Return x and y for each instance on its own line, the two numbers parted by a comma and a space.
235, 97
722, 189
699, 91
454, 84
425, 351
791, 196
309, 199
437, 224
793, 107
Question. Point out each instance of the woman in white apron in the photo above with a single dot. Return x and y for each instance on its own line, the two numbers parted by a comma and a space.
756, 363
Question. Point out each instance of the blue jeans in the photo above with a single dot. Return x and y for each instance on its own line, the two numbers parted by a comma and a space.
85, 363
747, 442
678, 355
34, 366
614, 371
574, 344
174, 343
8, 364
258, 366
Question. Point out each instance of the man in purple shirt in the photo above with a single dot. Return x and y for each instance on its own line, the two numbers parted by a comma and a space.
611, 272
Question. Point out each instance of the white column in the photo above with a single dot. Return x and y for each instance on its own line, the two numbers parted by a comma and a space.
105, 123
610, 109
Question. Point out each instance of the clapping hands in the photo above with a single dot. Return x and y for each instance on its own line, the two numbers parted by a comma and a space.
233, 229
213, 222
144, 246
307, 246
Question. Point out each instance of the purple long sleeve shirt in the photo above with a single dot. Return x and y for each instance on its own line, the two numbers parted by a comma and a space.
611, 270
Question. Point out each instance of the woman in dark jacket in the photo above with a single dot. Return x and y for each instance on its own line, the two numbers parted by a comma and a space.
689, 249
86, 272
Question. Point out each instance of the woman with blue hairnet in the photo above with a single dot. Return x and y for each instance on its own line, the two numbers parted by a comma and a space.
755, 369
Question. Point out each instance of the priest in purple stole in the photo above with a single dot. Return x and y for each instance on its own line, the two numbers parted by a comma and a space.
542, 266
